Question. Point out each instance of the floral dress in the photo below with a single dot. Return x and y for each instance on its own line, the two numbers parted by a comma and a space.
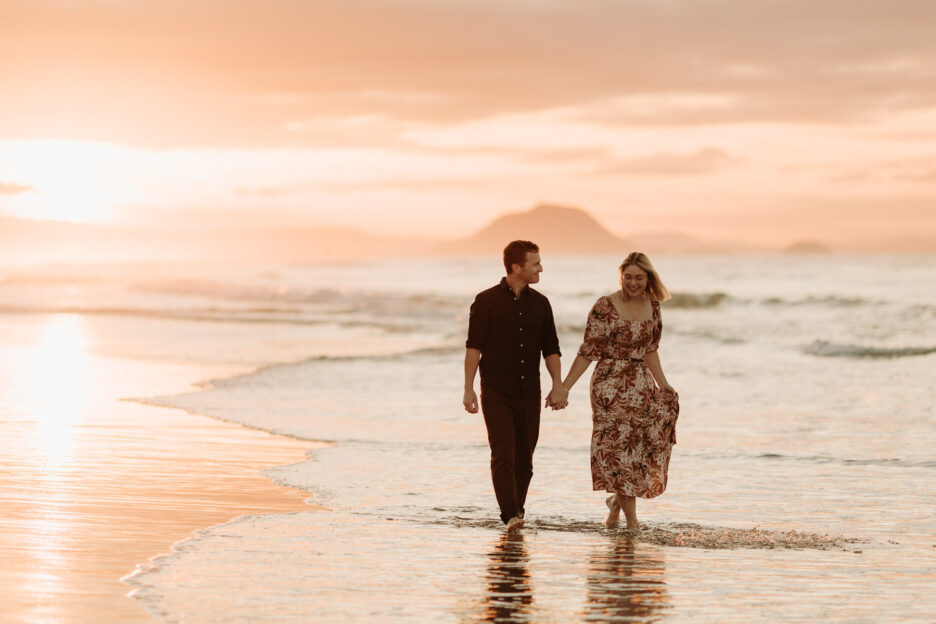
634, 423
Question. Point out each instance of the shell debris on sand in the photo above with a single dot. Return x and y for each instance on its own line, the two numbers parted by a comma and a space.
698, 536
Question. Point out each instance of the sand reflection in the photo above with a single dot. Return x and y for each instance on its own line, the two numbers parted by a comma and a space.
509, 597
626, 583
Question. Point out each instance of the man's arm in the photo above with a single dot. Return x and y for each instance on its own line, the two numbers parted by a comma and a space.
478, 328
470, 400
558, 397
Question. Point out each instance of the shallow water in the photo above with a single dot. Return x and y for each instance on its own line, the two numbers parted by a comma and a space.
91, 485
803, 486
334, 566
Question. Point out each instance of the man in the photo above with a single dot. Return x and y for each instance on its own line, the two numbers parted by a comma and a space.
510, 325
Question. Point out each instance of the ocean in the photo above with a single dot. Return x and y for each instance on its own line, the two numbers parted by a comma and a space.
802, 487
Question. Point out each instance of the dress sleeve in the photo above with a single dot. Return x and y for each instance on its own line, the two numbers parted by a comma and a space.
594, 344
657, 328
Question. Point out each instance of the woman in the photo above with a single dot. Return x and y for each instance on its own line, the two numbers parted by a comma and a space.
634, 409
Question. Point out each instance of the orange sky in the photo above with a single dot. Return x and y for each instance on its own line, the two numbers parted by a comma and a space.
764, 120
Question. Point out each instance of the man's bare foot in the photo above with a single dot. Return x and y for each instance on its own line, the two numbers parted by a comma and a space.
514, 524
614, 510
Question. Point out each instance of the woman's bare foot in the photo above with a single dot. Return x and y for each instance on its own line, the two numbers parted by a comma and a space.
629, 507
614, 509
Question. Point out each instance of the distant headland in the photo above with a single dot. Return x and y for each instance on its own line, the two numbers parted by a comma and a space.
557, 229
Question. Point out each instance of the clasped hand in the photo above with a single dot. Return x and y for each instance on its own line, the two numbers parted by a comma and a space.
558, 398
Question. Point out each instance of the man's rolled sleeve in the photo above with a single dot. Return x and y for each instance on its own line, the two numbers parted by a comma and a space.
479, 319
548, 338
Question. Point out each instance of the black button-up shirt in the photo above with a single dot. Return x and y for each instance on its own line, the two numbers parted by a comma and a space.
511, 332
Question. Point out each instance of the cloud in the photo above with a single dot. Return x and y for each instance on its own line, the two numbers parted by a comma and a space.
918, 176
252, 73
705, 160
539, 156
919, 170
265, 192
11, 188
562, 156
916, 170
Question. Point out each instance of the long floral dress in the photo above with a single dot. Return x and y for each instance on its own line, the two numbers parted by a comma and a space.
634, 423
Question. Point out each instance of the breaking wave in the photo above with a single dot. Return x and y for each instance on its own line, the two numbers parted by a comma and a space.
347, 299
825, 459
822, 348
696, 300
823, 300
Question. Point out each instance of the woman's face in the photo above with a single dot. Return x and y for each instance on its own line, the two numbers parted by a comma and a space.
634, 280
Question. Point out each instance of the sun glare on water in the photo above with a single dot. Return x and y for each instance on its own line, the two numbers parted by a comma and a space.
59, 381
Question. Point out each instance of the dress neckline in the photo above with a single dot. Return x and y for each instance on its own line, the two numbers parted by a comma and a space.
621, 318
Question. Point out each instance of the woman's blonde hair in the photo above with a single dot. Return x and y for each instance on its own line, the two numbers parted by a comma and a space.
655, 288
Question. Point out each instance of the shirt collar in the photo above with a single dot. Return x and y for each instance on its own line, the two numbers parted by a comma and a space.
504, 285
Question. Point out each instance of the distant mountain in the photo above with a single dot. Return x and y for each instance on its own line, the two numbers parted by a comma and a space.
31, 241
678, 243
561, 229
556, 229
924, 243
806, 246
313, 244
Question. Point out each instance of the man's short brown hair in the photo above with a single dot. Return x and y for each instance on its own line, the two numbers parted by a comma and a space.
515, 253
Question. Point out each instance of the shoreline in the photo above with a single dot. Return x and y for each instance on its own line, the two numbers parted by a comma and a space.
100, 486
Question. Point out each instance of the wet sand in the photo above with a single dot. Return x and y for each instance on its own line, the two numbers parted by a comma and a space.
93, 486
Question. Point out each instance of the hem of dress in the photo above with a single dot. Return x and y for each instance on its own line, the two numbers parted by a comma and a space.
645, 495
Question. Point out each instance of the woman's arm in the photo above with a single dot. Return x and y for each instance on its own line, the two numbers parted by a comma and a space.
656, 369
579, 366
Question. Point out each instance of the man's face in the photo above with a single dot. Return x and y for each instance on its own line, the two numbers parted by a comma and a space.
531, 268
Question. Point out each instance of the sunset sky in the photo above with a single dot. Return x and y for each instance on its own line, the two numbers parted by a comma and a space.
763, 120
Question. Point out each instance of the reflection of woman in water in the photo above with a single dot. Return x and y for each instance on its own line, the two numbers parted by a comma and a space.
634, 408
626, 585
508, 597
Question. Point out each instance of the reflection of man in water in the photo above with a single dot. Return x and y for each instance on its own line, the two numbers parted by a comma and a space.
625, 584
510, 325
508, 597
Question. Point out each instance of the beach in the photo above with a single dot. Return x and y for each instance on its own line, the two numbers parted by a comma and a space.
802, 486
240, 244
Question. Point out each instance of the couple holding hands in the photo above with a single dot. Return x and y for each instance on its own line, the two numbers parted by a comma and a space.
634, 409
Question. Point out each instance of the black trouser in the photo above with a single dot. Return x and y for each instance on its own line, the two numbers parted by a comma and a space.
512, 428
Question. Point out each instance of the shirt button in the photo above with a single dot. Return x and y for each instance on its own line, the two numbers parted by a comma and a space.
522, 377
521, 314
521, 344
521, 361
